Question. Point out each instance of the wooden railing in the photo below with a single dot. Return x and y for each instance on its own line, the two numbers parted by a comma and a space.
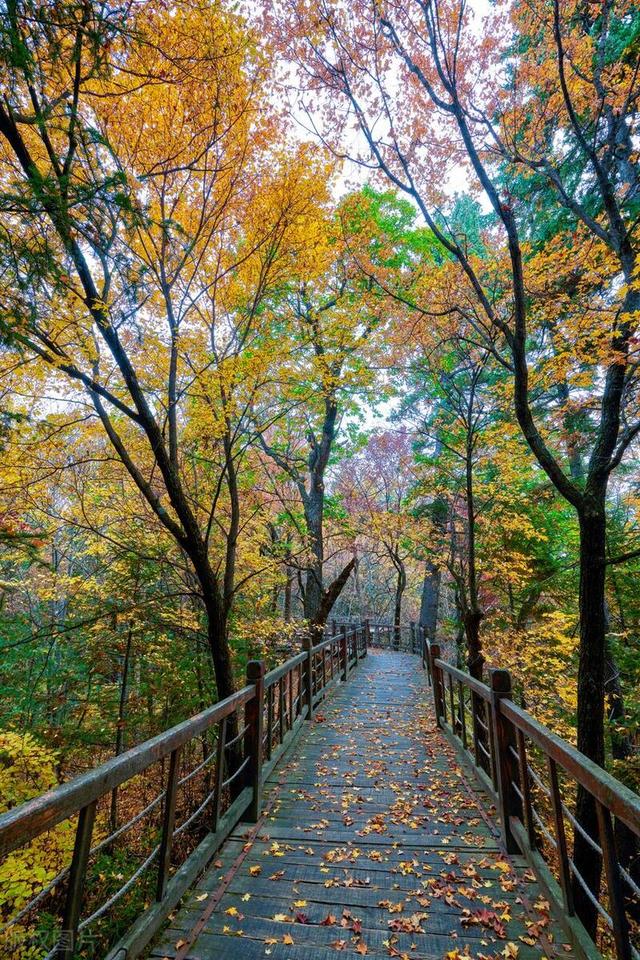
385, 636
242, 738
533, 776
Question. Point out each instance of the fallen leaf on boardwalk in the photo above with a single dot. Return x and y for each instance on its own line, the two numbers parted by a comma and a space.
233, 912
328, 921
352, 882
254, 871
278, 875
288, 939
410, 924
203, 896
299, 903
510, 951
246, 896
339, 944
484, 918
271, 940
391, 907
362, 948
180, 943
283, 917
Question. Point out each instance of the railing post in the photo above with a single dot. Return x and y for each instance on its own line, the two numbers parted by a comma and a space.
367, 636
561, 838
615, 886
308, 646
344, 652
168, 825
504, 743
71, 918
437, 686
220, 765
254, 719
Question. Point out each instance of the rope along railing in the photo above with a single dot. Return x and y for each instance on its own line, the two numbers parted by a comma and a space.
533, 776
240, 740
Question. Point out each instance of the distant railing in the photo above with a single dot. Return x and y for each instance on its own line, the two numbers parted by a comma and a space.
242, 737
533, 775
406, 638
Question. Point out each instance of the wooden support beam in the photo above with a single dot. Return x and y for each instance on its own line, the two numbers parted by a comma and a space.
168, 825
254, 720
503, 763
68, 942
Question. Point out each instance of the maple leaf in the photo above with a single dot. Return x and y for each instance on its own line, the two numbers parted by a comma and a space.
288, 939
362, 948
510, 951
329, 921
255, 870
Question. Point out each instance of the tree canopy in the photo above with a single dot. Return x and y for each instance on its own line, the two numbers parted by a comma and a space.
315, 310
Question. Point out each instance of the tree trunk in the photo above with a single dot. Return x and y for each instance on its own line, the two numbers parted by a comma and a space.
122, 712
590, 697
472, 619
220, 651
313, 511
401, 583
473, 615
286, 613
627, 846
331, 594
430, 600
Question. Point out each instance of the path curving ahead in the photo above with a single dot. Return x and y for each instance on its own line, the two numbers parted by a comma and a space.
375, 842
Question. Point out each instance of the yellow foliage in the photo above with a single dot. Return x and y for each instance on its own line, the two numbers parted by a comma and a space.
27, 769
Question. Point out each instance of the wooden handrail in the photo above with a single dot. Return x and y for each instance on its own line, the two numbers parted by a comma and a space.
497, 749
275, 704
614, 795
25, 822
476, 685
274, 675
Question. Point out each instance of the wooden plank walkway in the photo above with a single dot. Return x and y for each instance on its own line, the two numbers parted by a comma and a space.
375, 841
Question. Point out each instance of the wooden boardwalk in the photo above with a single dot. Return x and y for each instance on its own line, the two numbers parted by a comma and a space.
374, 841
